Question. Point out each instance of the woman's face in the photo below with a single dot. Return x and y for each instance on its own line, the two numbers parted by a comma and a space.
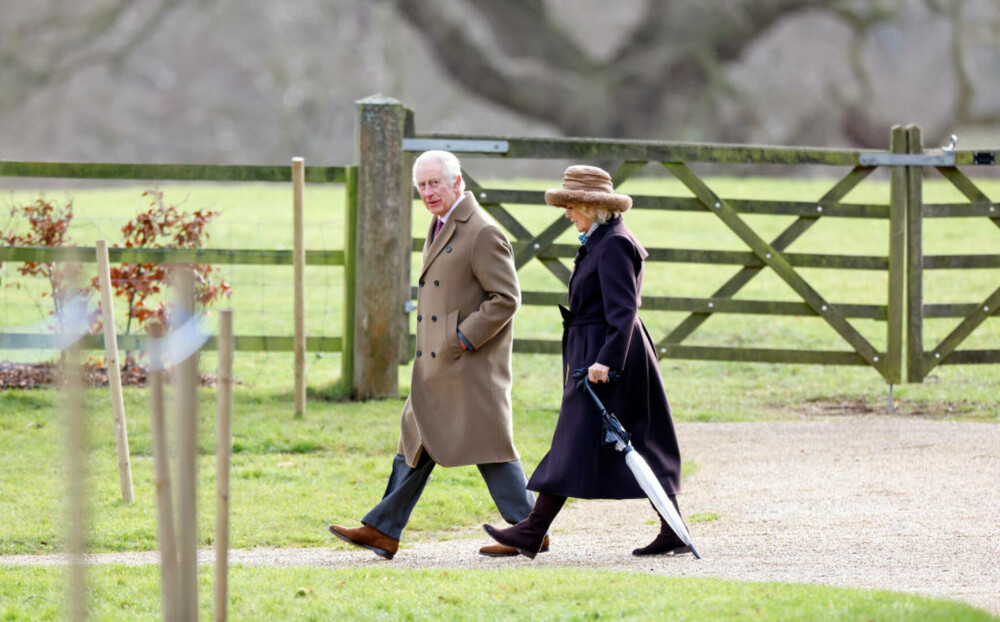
581, 220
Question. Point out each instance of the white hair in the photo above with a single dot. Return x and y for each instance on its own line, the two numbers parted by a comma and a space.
597, 214
450, 166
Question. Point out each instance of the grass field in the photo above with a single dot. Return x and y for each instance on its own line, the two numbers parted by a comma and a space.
291, 476
364, 594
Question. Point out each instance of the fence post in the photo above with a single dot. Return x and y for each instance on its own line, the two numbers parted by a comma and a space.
350, 232
897, 262
380, 249
914, 262
406, 228
299, 276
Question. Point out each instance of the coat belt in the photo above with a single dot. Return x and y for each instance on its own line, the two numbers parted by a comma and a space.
575, 319
580, 319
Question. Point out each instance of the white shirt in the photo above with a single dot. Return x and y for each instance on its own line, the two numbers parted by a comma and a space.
444, 218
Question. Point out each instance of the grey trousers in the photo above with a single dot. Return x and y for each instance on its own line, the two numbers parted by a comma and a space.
506, 482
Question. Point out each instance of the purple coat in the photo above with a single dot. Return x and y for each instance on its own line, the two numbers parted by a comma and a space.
602, 324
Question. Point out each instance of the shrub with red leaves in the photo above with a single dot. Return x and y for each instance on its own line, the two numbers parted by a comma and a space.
163, 226
48, 225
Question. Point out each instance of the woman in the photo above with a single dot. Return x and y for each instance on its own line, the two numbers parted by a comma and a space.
602, 332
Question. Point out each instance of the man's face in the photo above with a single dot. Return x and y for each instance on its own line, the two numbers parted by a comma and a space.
435, 191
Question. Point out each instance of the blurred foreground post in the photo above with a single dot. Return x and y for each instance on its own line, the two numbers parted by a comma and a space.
186, 381
223, 451
299, 253
161, 458
76, 478
114, 371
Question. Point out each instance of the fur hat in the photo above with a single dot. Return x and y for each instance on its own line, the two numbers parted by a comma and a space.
587, 186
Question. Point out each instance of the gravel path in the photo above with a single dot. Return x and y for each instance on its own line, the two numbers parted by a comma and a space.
903, 504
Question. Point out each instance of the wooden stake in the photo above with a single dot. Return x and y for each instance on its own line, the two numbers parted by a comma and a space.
299, 253
223, 453
186, 381
161, 459
114, 371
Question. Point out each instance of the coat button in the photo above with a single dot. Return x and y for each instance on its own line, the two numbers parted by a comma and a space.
419, 353
421, 283
436, 282
434, 318
433, 355
447, 249
419, 318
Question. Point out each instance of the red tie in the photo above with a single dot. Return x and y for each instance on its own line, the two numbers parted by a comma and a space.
437, 229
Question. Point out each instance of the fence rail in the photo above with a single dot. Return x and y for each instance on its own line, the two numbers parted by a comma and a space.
243, 256
244, 343
171, 172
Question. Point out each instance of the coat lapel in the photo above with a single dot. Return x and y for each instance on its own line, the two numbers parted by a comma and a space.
463, 211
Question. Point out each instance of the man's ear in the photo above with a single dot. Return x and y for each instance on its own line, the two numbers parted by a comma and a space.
458, 181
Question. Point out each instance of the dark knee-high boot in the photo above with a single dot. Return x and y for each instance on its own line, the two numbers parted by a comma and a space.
666, 542
527, 535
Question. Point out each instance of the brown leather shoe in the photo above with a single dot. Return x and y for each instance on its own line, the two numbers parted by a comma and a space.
368, 538
502, 550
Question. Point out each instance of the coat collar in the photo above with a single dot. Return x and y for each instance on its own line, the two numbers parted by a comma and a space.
595, 238
462, 213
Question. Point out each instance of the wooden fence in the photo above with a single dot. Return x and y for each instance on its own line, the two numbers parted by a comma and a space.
299, 342
378, 245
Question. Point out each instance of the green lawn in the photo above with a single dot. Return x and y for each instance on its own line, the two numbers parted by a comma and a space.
291, 476
130, 593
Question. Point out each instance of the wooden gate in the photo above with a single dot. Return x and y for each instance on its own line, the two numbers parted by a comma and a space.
540, 246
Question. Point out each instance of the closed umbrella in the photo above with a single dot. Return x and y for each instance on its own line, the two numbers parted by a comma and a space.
616, 436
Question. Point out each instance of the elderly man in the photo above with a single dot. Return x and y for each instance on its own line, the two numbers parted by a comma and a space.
458, 412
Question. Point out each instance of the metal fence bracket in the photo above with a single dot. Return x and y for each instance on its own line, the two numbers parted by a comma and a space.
943, 158
456, 145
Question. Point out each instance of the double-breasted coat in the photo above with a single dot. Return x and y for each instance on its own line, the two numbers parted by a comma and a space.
459, 408
602, 325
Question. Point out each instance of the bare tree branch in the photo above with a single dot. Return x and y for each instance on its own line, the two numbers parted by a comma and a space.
79, 43
523, 29
529, 86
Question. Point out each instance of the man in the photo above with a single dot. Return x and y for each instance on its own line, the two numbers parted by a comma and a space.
458, 412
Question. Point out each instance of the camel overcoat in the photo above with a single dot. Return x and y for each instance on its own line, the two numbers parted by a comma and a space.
459, 407
602, 325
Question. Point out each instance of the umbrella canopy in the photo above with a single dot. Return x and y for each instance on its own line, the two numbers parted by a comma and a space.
615, 435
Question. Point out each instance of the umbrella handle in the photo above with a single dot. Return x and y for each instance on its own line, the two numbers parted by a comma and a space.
582, 377
614, 433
